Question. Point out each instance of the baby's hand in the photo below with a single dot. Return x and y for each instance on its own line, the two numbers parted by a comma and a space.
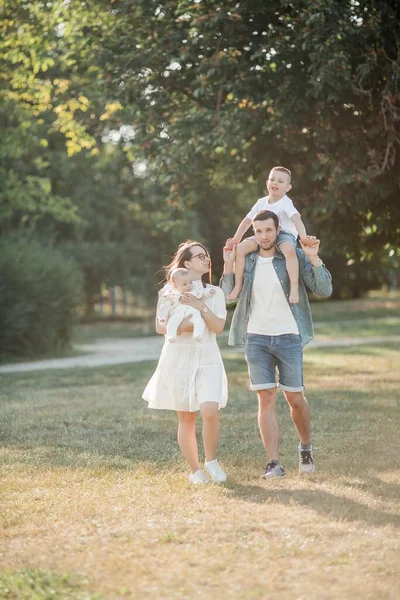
311, 241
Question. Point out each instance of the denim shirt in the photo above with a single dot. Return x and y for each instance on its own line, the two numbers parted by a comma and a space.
317, 279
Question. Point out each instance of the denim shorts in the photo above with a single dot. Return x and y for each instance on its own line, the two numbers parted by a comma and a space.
285, 236
265, 353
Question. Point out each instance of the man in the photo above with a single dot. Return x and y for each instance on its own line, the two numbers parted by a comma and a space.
274, 333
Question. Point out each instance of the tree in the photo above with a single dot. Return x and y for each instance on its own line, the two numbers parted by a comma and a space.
310, 84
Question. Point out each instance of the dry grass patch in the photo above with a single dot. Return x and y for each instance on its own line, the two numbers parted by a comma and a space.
93, 486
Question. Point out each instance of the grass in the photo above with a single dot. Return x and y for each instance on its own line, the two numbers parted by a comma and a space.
95, 502
375, 306
87, 333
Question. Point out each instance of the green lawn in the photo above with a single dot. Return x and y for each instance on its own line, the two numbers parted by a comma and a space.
95, 501
375, 315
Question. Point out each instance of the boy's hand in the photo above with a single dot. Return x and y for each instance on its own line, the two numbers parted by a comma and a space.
309, 240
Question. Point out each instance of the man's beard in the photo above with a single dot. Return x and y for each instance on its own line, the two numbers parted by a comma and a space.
266, 245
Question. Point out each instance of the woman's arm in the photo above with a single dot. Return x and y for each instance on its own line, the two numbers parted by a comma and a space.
186, 326
214, 323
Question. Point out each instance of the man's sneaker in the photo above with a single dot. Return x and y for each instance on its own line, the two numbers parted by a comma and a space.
198, 477
273, 469
306, 461
213, 469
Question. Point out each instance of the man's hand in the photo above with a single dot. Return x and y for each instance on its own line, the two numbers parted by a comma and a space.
231, 243
312, 253
309, 240
229, 254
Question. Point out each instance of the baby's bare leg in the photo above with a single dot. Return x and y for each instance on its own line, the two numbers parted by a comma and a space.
245, 247
292, 267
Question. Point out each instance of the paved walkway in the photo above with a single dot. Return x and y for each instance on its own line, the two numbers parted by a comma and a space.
120, 351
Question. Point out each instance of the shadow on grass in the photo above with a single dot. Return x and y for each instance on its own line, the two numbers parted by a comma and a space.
321, 501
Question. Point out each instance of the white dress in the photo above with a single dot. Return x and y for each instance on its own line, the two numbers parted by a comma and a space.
188, 372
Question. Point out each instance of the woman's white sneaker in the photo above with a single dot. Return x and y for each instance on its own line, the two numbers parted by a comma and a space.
199, 477
213, 469
306, 460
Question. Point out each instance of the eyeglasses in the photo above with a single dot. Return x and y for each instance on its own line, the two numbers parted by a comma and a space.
201, 256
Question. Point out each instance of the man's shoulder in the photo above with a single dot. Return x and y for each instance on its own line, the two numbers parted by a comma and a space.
301, 255
251, 260
252, 256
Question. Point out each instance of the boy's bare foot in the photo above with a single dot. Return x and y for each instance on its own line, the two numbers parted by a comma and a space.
234, 294
294, 295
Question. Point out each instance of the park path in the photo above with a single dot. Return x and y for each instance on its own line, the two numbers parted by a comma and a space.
119, 351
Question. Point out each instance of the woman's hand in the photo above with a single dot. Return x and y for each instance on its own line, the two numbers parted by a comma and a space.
190, 300
186, 325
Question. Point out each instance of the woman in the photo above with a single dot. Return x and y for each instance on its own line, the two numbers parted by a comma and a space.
190, 375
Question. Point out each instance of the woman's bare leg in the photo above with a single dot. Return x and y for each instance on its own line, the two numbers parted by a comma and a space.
187, 438
211, 429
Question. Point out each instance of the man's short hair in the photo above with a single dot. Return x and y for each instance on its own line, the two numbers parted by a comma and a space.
284, 170
264, 215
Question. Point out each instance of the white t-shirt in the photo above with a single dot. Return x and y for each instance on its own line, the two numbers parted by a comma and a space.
270, 313
284, 208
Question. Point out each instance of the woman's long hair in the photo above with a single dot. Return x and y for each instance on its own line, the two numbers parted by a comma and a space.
183, 254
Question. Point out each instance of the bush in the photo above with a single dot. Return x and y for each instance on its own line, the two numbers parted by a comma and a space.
40, 290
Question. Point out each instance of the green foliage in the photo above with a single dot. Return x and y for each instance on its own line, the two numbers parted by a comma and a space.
128, 127
40, 291
244, 85
33, 584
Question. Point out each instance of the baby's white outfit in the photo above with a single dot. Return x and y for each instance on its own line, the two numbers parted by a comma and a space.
188, 372
178, 311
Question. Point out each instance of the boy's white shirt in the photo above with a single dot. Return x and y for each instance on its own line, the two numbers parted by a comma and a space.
284, 209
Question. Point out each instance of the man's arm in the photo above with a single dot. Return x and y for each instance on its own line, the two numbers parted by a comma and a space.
227, 281
314, 273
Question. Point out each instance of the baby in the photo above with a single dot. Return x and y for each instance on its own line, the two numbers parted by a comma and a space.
278, 184
180, 284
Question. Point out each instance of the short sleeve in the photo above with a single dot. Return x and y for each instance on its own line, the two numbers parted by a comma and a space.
256, 208
218, 303
290, 208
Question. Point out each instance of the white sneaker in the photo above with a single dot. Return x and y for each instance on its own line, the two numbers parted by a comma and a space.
198, 477
213, 469
306, 460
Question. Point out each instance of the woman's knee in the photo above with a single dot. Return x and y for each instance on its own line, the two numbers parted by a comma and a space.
209, 411
186, 418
